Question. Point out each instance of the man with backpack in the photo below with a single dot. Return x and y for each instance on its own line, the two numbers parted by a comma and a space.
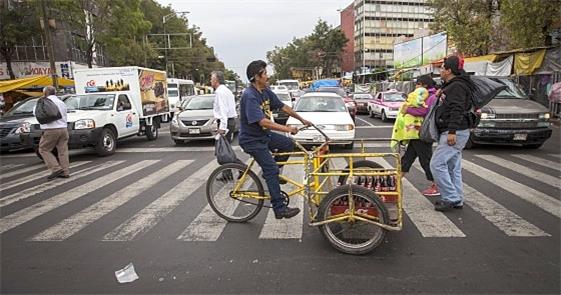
55, 133
453, 123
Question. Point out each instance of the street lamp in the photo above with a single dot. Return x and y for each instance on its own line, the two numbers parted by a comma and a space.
164, 19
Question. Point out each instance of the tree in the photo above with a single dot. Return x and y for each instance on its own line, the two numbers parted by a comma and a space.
17, 23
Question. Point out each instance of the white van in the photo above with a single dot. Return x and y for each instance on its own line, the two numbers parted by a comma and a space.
178, 90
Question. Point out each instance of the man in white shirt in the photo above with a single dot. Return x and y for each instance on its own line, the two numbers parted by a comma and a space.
224, 106
55, 134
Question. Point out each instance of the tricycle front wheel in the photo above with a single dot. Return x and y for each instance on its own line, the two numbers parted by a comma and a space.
348, 235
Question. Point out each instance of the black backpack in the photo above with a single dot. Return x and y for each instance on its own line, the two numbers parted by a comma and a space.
483, 90
46, 111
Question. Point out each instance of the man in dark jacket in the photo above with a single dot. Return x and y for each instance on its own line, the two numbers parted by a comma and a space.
452, 124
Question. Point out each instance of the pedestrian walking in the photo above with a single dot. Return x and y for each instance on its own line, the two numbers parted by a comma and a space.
55, 135
453, 127
224, 108
417, 147
256, 137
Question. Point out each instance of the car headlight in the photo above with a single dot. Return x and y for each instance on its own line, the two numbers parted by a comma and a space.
485, 116
345, 127
490, 124
174, 121
543, 124
544, 116
24, 127
84, 124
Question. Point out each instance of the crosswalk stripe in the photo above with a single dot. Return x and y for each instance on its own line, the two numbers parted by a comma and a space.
20, 171
36, 176
208, 226
531, 195
70, 226
421, 211
148, 217
24, 194
539, 176
31, 212
540, 161
10, 166
287, 228
555, 155
504, 219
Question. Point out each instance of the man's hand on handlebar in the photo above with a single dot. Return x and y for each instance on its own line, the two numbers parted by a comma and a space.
293, 130
306, 122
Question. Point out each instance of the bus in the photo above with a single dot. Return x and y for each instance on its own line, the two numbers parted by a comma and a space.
178, 90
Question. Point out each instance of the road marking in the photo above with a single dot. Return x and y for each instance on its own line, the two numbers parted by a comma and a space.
51, 184
208, 226
71, 225
31, 212
36, 176
21, 171
555, 155
431, 223
374, 127
287, 228
10, 166
171, 149
539, 176
148, 217
369, 124
504, 219
540, 161
531, 195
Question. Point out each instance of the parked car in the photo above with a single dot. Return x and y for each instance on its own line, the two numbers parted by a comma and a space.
386, 104
511, 118
195, 120
362, 100
279, 115
349, 102
329, 113
278, 88
15, 123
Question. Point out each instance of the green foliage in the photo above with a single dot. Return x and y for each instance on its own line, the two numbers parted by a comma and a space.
322, 48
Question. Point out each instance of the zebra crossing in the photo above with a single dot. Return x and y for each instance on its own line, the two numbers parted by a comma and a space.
17, 185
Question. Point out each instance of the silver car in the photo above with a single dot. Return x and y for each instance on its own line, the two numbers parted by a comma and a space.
195, 120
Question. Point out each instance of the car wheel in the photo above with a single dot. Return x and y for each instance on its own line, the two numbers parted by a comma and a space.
533, 146
106, 143
349, 146
470, 144
179, 141
384, 117
370, 113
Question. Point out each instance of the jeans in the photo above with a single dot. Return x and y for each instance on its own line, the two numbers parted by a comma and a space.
446, 166
418, 148
261, 151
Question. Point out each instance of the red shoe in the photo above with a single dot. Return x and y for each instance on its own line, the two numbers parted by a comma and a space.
431, 191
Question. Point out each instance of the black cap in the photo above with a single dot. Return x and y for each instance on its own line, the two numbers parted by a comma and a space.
254, 68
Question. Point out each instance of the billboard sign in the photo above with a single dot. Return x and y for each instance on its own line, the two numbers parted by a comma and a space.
408, 54
434, 47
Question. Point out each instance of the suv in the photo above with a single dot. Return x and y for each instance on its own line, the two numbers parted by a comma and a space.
511, 118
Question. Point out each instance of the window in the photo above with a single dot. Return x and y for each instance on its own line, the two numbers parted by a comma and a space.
123, 103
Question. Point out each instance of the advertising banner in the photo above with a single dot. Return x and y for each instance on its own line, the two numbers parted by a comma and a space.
27, 69
434, 47
153, 92
408, 54
105, 80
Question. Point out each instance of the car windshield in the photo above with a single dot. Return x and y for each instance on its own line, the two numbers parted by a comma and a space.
290, 85
199, 103
362, 96
90, 102
25, 107
512, 92
395, 97
283, 96
320, 104
336, 90
173, 93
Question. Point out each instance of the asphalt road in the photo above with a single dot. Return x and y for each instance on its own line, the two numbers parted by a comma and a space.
146, 205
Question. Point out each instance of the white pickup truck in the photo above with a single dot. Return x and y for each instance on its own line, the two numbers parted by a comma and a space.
111, 104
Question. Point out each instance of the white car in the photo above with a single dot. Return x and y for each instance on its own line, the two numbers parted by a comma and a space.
328, 112
276, 88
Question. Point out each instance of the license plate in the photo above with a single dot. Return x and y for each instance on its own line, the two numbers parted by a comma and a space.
520, 136
318, 138
195, 131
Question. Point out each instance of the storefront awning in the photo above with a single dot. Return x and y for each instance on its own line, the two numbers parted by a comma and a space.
32, 82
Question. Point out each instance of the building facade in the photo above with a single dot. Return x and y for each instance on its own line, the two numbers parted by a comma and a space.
377, 25
348, 28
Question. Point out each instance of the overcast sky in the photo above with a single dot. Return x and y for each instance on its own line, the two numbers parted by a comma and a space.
244, 30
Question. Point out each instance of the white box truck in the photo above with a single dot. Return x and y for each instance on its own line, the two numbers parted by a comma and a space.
114, 103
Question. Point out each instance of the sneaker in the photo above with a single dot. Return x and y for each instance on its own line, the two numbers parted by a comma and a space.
287, 212
431, 191
55, 174
64, 176
444, 205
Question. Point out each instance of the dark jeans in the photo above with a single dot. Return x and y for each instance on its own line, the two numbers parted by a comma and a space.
261, 151
418, 148
231, 127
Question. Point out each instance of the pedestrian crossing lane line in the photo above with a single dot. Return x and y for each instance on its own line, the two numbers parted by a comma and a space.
36, 176
505, 220
539, 176
70, 226
31, 212
208, 226
24, 194
148, 217
21, 171
287, 228
541, 162
429, 222
555, 155
10, 166
531, 195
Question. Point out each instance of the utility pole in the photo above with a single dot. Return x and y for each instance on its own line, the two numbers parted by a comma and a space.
167, 39
46, 24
